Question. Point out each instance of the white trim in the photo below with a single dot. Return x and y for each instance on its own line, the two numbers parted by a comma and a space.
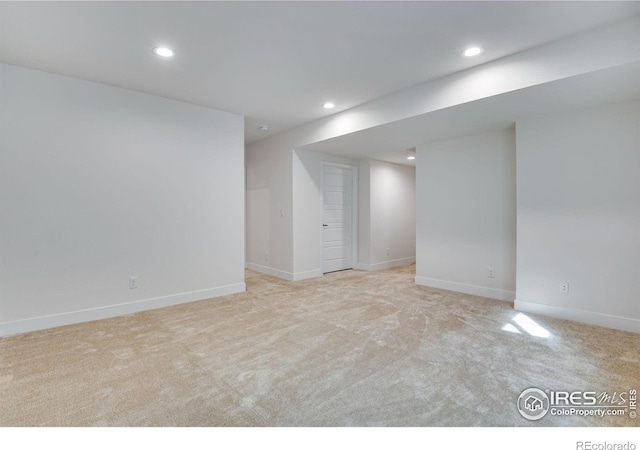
308, 274
387, 264
89, 315
270, 271
354, 210
481, 291
285, 275
577, 315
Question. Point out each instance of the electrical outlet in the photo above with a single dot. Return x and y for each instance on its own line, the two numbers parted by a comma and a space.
266, 256
388, 252
133, 282
490, 272
564, 287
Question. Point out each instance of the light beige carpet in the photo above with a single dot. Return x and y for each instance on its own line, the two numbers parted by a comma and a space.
351, 348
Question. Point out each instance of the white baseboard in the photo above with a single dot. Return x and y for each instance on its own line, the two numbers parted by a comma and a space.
576, 315
387, 264
481, 291
308, 274
270, 271
285, 275
89, 315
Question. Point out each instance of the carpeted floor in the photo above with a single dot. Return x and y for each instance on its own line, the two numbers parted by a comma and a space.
350, 349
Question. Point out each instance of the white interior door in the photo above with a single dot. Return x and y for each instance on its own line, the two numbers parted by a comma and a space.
337, 186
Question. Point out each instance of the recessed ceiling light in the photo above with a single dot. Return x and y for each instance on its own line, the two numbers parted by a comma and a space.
264, 127
411, 157
473, 51
328, 105
164, 51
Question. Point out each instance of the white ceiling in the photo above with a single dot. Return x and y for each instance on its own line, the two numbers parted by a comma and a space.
394, 141
277, 62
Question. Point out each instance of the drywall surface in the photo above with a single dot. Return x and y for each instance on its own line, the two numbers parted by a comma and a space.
389, 201
364, 212
269, 210
99, 184
579, 215
466, 215
580, 53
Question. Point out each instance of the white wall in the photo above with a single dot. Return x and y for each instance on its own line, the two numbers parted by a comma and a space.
388, 203
466, 214
98, 184
364, 213
579, 215
386, 217
308, 210
582, 53
269, 207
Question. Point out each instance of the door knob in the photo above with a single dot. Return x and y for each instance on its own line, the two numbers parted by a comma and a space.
325, 225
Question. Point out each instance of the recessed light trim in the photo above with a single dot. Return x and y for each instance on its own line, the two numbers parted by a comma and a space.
329, 105
264, 127
411, 157
473, 51
165, 52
